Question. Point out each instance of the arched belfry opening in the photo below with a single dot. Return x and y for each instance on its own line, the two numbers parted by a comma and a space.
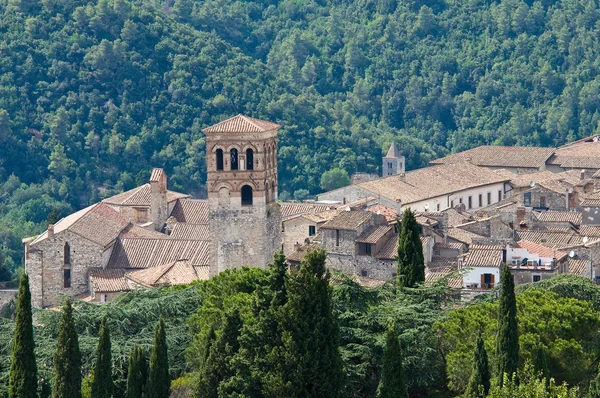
249, 159
67, 254
234, 159
219, 159
246, 195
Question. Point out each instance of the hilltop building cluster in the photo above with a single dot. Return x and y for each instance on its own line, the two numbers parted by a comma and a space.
536, 209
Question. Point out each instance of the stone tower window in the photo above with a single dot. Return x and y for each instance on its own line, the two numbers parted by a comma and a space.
267, 193
268, 157
67, 254
249, 159
246, 195
234, 159
219, 159
67, 277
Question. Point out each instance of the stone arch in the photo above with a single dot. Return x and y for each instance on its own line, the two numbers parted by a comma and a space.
219, 159
247, 195
67, 255
249, 159
234, 154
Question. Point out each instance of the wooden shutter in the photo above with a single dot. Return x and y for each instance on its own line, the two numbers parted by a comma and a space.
493, 281
482, 281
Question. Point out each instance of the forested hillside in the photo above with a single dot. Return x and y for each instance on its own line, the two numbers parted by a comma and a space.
94, 94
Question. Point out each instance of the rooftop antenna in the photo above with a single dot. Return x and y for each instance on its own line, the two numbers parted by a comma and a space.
572, 253
532, 184
586, 239
426, 206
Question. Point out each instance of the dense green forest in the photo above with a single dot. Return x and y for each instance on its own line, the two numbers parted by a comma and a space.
94, 94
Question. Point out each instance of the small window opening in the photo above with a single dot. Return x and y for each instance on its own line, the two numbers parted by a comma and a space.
499, 195
480, 200
527, 199
246, 195
249, 159
489, 198
219, 159
537, 278
67, 254
234, 159
67, 278
470, 202
364, 272
337, 237
312, 230
364, 249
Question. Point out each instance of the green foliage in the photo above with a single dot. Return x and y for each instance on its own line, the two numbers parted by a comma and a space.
137, 373
102, 384
334, 179
159, 380
67, 359
567, 285
479, 383
411, 264
567, 329
391, 383
507, 348
23, 368
529, 385
594, 390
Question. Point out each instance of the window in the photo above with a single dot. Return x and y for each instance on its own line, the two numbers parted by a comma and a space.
67, 254
470, 202
363, 272
104, 298
337, 237
542, 201
268, 160
527, 199
246, 195
438, 207
364, 249
234, 159
67, 278
249, 159
219, 159
489, 198
282, 227
480, 200
312, 230
452, 203
390, 165
499, 195
487, 281
460, 200
537, 278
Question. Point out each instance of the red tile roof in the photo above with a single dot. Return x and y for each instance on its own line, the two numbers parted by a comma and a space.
192, 211
145, 253
108, 280
190, 231
241, 124
500, 156
140, 196
541, 250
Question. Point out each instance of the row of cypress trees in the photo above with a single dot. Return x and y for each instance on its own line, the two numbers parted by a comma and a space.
142, 381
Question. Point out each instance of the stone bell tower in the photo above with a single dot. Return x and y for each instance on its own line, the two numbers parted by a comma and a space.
244, 216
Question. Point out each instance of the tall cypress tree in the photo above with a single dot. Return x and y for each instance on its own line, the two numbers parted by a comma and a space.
159, 382
23, 369
507, 349
67, 358
411, 264
479, 383
313, 366
102, 384
391, 384
136, 373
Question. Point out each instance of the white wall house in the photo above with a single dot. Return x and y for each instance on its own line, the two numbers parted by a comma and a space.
474, 276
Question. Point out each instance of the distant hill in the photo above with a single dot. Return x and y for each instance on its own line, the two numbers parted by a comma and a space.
93, 94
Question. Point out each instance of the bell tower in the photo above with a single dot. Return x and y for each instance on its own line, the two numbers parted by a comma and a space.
244, 216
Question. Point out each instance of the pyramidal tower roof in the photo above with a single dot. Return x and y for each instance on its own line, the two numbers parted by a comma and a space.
241, 124
393, 151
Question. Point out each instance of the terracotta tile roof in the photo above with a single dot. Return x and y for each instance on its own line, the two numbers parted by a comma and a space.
373, 234
591, 200
390, 250
579, 266
482, 256
591, 138
456, 217
454, 281
135, 231
448, 245
393, 151
348, 220
190, 231
430, 182
549, 237
554, 186
192, 211
596, 174
591, 231
426, 221
439, 263
156, 175
140, 196
389, 213
171, 274
500, 156
540, 250
108, 280
524, 179
289, 209
145, 253
97, 223
370, 283
573, 217
463, 236
241, 124
583, 155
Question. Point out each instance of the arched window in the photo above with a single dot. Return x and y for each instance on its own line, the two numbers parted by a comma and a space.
67, 254
246, 195
219, 159
268, 158
234, 159
267, 193
273, 157
249, 159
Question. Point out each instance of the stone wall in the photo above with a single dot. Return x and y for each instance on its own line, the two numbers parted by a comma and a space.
347, 241
368, 266
295, 231
522, 276
45, 266
6, 295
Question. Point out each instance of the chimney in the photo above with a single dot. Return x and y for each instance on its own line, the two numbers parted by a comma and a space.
582, 175
520, 215
50, 230
158, 198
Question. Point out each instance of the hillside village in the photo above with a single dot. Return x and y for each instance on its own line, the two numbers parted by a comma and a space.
536, 209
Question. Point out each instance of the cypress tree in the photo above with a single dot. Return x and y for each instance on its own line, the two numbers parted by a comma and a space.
411, 264
137, 373
23, 369
594, 390
159, 382
313, 366
102, 384
67, 358
391, 384
479, 383
508, 336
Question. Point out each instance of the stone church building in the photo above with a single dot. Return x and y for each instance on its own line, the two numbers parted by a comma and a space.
150, 236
